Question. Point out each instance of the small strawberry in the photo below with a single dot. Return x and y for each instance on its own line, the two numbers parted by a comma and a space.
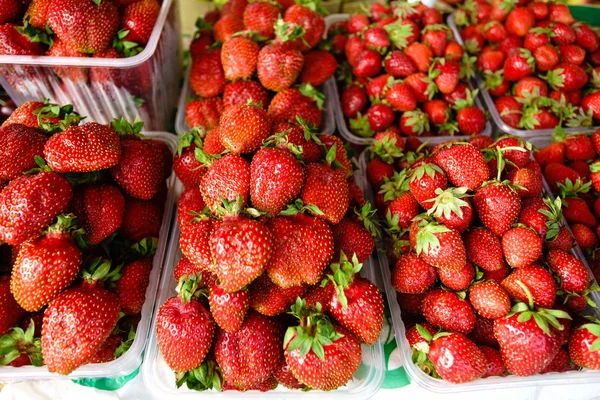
584, 345
260, 17
521, 247
269, 299
100, 209
463, 164
452, 208
498, 206
142, 219
489, 299
537, 280
412, 275
438, 245
354, 237
457, 279
484, 249
228, 308
448, 311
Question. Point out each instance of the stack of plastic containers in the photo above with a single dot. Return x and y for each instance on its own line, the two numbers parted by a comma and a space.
154, 75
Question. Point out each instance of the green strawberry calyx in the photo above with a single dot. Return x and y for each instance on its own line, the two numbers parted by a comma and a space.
194, 136
68, 117
126, 344
285, 32
205, 377
101, 269
35, 35
449, 201
554, 215
571, 189
314, 332
395, 186
427, 240
360, 126
343, 276
366, 215
399, 33
298, 207
187, 287
124, 127
126, 47
421, 349
145, 247
281, 140
17, 342
386, 149
593, 327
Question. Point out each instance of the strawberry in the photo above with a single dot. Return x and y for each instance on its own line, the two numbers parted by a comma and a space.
247, 137
353, 101
187, 168
356, 303
399, 65
357, 23
240, 92
437, 111
592, 102
239, 56
518, 65
85, 148
562, 241
519, 21
261, 17
30, 203
452, 208
182, 323
566, 77
16, 43
438, 245
285, 377
279, 63
412, 275
436, 36
401, 97
352, 237
538, 281
139, 19
185, 267
378, 171
228, 309
583, 345
68, 20
421, 55
227, 26
423, 182
227, 177
204, 112
368, 64
489, 299
498, 207
269, 299
106, 353
585, 36
79, 320
448, 311
323, 357
469, 362
546, 57
20, 145
207, 77
574, 275
457, 279
448, 76
484, 249
142, 219
212, 143
304, 102
327, 189
240, 248
463, 164
11, 312
195, 243
131, 287
100, 209
510, 110
251, 354
313, 24
234, 7
584, 236
521, 247
556, 173
319, 66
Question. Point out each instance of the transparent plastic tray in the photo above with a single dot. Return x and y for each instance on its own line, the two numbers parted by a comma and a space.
160, 379
27, 78
132, 359
332, 92
181, 125
491, 107
417, 376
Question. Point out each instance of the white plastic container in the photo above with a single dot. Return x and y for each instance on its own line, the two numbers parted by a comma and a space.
332, 92
132, 359
27, 78
417, 376
181, 125
491, 107
159, 379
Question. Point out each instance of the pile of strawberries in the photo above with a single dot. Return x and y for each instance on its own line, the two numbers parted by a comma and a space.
571, 168
268, 53
403, 71
80, 28
540, 65
80, 212
480, 261
271, 221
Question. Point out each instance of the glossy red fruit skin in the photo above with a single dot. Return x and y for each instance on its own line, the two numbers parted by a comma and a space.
131, 287
139, 19
539, 282
412, 275
10, 312
19, 144
448, 311
30, 203
498, 207
229, 177
580, 344
490, 300
100, 209
327, 189
468, 364
228, 309
574, 275
184, 333
495, 363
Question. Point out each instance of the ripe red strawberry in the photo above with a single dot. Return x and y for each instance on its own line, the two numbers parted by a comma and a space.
24, 115
399, 65
324, 358
243, 128
241, 92
498, 207
448, 311
562, 241
412, 275
452, 208
207, 77
313, 23
356, 303
463, 164
327, 189
204, 112
319, 66
353, 101
195, 243
10, 311
437, 111
378, 171
421, 55
484, 249
185, 268
438, 245
510, 110
303, 102
419, 86
401, 97
212, 142
184, 329
489, 299
546, 57
448, 77
576, 210
19, 146
495, 363
560, 363
518, 65
15, 43
227, 177
483, 333
592, 102
574, 275
519, 21
68, 19
261, 17
368, 64
469, 362
30, 203
269, 299
142, 219
539, 282
131, 287
251, 354
352, 238
77, 322
106, 353
227, 26
567, 77
521, 247
228, 309
139, 18
424, 180
239, 56
471, 120
284, 376
583, 345
538, 341
279, 64
585, 237
187, 168
457, 279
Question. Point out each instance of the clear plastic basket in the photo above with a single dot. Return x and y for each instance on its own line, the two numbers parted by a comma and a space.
27, 78
130, 361
331, 92
181, 125
160, 379
491, 107
417, 376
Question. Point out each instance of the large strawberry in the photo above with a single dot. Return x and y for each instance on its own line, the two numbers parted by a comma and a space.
448, 311
537, 280
100, 209
184, 328
300, 16
243, 128
227, 177
423, 182
463, 164
468, 361
88, 26
46, 266
10, 311
498, 206
19, 145
356, 303
30, 203
584, 346
251, 354
239, 56
302, 248
575, 277
484, 249
79, 320
240, 247
319, 354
